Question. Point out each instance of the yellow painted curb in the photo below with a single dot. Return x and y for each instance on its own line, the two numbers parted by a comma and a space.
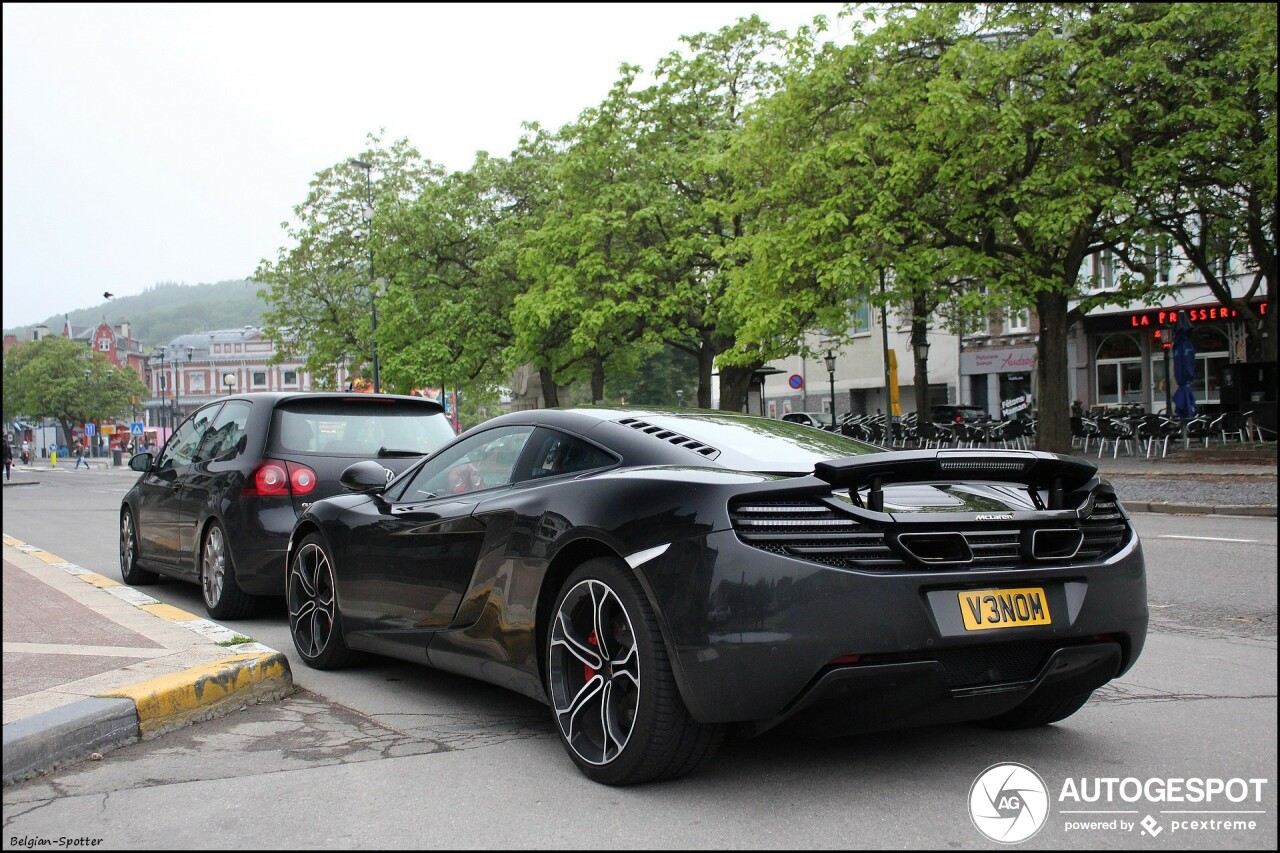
205, 691
100, 581
168, 611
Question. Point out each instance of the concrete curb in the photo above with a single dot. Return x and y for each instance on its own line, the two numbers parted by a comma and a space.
1256, 511
204, 692
72, 733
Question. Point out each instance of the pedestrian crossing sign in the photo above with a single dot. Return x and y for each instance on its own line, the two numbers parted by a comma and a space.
135, 429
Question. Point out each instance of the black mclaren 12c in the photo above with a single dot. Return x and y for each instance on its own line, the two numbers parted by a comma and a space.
662, 577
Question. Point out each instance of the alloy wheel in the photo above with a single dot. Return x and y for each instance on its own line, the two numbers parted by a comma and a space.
311, 600
213, 573
127, 545
594, 672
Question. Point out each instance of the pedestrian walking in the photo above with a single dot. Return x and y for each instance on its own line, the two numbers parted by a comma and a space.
26, 452
53, 456
80, 460
8, 458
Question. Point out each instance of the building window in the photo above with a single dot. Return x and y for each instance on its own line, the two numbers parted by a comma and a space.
259, 379
237, 348
291, 378
197, 382
1098, 272
860, 319
1017, 321
104, 345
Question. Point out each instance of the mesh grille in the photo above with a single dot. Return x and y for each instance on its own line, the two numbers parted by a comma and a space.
809, 530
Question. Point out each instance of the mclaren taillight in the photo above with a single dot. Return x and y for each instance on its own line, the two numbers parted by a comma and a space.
280, 479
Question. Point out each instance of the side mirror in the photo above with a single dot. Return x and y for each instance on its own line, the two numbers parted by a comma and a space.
140, 461
366, 477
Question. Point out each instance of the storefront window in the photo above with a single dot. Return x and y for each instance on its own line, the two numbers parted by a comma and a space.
1119, 370
1015, 394
1211, 355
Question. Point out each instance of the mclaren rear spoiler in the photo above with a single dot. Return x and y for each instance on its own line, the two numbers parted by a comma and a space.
1033, 469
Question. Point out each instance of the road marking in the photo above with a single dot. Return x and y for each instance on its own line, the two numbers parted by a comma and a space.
1203, 538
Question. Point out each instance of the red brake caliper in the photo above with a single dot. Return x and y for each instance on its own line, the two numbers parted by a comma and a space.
587, 671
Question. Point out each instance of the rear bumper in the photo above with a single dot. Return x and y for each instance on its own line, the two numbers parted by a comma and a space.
864, 698
758, 637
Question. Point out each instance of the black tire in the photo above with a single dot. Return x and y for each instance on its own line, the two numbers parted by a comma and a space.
315, 622
1039, 711
130, 572
650, 734
223, 597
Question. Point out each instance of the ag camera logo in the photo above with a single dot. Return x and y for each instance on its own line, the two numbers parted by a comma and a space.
1008, 803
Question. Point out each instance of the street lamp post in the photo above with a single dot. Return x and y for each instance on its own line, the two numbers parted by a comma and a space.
157, 355
88, 446
884, 332
830, 359
177, 386
368, 237
922, 359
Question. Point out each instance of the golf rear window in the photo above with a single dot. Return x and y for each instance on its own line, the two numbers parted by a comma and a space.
358, 427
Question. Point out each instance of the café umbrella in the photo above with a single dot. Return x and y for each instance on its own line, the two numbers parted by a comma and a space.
1184, 367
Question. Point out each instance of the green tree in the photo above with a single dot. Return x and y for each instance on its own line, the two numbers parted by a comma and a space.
58, 378
317, 289
453, 254
1212, 185
1006, 136
639, 248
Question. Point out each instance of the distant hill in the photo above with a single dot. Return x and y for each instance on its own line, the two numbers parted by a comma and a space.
168, 309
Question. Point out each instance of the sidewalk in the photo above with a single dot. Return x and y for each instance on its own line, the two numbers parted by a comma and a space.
91, 665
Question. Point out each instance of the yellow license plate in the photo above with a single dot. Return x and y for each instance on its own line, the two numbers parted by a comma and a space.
988, 609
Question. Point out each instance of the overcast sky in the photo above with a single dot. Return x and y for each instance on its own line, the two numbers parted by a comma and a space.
147, 143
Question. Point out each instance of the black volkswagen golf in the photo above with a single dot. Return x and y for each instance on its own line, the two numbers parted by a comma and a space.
216, 505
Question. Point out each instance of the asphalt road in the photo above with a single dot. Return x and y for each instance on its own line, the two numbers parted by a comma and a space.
393, 755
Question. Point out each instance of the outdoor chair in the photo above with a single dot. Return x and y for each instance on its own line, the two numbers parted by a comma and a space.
1231, 426
1013, 434
1252, 428
1115, 432
1197, 428
1156, 429
1083, 431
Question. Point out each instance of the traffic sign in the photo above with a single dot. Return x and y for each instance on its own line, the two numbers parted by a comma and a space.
135, 429
796, 381
90, 428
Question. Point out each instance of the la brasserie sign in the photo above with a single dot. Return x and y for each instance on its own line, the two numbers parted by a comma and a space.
1167, 317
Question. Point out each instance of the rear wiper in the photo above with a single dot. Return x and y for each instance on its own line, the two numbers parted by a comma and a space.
384, 452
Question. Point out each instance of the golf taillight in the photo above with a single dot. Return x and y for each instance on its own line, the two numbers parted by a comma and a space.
301, 478
280, 479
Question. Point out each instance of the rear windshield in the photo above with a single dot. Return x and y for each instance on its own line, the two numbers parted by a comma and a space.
764, 444
354, 427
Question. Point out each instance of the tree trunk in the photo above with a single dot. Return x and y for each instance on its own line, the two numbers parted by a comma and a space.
550, 395
1053, 427
706, 361
597, 381
734, 384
